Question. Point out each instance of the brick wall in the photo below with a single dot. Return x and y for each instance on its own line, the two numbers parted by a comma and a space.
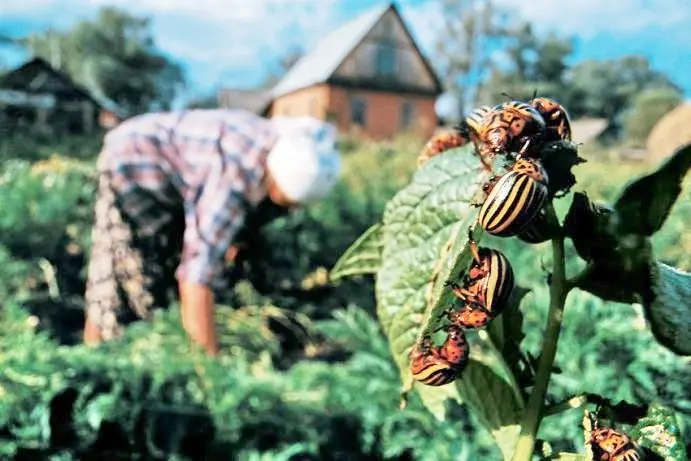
383, 112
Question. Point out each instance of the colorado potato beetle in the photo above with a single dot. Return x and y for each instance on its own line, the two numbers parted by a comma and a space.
440, 365
439, 143
611, 445
556, 118
512, 126
486, 288
472, 125
515, 199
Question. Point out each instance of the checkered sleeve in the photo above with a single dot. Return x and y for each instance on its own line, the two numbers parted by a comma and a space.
215, 210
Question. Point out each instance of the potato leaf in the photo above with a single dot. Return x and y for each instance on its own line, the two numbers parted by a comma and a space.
425, 229
362, 257
494, 402
644, 204
669, 312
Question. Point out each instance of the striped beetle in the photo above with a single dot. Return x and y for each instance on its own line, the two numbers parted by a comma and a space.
472, 128
486, 288
472, 125
556, 118
440, 365
512, 126
439, 143
515, 199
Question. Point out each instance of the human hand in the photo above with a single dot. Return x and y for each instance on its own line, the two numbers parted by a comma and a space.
231, 256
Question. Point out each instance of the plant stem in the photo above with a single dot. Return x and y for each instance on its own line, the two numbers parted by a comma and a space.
559, 289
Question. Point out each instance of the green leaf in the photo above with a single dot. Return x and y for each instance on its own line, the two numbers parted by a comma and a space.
623, 268
362, 257
494, 402
644, 204
659, 432
569, 457
669, 312
424, 228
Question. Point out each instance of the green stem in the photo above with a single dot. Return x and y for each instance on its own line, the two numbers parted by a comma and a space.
559, 289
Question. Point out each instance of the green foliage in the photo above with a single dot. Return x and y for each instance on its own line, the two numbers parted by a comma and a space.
165, 398
37, 202
646, 110
289, 385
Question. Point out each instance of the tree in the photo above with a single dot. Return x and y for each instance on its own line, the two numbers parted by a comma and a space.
464, 45
647, 109
115, 57
606, 88
532, 64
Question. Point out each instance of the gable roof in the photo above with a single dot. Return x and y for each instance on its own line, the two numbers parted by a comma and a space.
321, 62
63, 84
16, 79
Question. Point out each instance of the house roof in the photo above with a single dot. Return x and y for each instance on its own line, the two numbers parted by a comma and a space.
321, 62
16, 79
587, 129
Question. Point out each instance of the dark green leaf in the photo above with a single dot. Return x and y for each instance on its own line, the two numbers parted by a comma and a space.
362, 257
425, 229
644, 204
659, 432
586, 223
558, 158
494, 402
623, 268
669, 312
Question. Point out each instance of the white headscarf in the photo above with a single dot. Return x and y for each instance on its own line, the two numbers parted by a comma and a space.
304, 162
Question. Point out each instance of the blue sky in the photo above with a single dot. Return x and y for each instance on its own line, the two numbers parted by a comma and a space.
233, 42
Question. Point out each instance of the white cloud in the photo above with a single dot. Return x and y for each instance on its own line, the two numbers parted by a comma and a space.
584, 18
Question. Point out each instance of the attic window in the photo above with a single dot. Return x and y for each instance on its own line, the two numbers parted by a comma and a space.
386, 64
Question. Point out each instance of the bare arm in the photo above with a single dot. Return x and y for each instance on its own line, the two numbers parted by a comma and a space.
197, 313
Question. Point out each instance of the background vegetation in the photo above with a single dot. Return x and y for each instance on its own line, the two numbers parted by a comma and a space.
305, 371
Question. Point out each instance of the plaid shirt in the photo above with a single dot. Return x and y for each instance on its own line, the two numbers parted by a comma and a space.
215, 159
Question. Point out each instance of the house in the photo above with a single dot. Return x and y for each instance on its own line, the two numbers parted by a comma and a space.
368, 75
37, 96
588, 129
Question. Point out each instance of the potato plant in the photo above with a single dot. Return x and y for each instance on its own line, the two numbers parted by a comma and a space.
421, 247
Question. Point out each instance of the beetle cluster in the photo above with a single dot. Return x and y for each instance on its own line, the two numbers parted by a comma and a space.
514, 205
482, 292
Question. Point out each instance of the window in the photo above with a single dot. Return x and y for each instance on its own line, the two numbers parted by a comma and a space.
407, 115
358, 111
386, 64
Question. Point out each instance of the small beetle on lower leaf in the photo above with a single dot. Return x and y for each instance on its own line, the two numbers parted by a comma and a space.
440, 365
485, 289
611, 445
439, 143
